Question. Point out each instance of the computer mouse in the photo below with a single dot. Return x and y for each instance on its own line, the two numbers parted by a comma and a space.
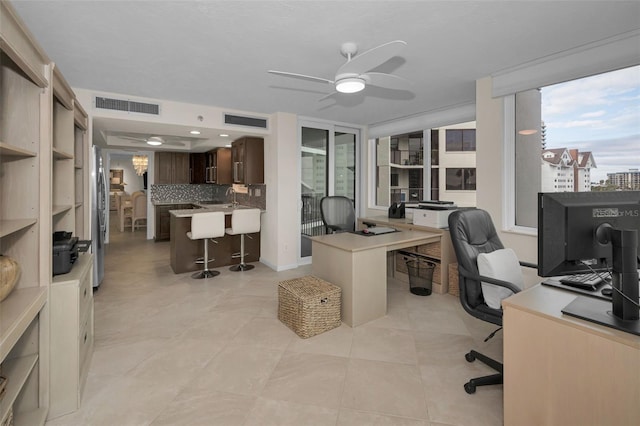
607, 291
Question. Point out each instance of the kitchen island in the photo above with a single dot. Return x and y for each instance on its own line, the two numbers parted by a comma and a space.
185, 251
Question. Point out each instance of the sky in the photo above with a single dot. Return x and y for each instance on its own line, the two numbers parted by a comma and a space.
600, 114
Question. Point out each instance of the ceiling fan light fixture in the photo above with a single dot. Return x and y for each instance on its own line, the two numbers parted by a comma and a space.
154, 140
350, 85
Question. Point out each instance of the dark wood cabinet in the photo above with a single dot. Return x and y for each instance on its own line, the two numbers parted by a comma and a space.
247, 159
197, 167
219, 166
163, 219
171, 167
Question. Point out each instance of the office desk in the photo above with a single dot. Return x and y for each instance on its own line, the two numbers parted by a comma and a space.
559, 370
358, 264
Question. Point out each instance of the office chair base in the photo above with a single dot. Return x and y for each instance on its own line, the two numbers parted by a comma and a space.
241, 267
204, 274
493, 379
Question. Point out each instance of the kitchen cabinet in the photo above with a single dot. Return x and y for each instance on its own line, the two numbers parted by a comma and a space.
163, 219
71, 335
197, 167
219, 166
172, 168
247, 158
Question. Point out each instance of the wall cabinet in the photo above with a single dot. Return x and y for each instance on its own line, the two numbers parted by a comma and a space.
197, 167
247, 157
219, 166
172, 168
71, 335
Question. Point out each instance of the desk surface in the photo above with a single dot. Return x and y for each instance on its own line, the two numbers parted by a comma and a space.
351, 242
548, 302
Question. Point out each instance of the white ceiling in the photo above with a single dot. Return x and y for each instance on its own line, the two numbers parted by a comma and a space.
218, 52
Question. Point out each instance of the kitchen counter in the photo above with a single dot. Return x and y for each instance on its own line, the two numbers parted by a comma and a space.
184, 251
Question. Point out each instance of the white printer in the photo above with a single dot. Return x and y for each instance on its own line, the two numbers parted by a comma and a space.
434, 214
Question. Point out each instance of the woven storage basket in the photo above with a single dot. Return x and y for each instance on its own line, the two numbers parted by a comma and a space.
309, 305
454, 287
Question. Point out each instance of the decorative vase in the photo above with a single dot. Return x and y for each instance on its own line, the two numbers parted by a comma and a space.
9, 273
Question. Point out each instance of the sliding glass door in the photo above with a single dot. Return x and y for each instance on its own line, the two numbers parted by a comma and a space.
328, 158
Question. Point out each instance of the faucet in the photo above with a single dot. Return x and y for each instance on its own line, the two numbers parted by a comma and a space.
230, 190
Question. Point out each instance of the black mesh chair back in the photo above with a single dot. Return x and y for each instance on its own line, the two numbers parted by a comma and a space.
338, 214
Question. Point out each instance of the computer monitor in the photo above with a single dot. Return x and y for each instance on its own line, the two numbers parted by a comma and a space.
581, 232
568, 223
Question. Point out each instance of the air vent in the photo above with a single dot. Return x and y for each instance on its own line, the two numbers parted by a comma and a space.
128, 106
239, 120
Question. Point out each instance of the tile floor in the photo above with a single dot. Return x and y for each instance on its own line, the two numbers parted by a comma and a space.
170, 350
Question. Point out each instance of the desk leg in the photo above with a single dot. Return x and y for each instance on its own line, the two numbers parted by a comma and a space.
361, 275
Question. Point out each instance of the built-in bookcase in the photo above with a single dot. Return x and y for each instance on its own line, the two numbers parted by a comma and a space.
42, 190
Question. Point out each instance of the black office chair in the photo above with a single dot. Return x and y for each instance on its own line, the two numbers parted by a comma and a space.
338, 214
472, 232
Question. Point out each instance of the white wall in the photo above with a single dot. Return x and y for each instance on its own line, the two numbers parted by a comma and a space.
490, 165
279, 235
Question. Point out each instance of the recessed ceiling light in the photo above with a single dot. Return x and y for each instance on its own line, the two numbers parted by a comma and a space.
195, 132
224, 135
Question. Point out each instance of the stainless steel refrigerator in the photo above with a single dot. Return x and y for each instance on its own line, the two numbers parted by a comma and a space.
99, 210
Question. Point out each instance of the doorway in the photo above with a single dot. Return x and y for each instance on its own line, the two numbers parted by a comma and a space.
328, 166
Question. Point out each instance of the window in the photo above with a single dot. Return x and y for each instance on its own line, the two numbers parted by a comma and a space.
461, 139
462, 179
575, 136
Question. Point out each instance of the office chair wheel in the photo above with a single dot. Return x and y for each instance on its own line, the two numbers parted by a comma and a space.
470, 357
469, 388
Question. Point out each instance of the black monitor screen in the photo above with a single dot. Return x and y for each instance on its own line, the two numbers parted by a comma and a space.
567, 225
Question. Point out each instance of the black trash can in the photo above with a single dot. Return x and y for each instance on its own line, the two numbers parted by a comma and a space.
420, 276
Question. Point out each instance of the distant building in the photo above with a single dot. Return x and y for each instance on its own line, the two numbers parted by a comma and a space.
566, 170
625, 180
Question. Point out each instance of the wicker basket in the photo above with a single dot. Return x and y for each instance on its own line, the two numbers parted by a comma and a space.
453, 279
309, 305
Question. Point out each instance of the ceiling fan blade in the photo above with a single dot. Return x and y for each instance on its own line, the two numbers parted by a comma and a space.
302, 76
327, 96
387, 81
370, 59
173, 143
132, 138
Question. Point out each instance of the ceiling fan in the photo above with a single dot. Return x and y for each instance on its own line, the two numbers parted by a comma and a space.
354, 75
156, 140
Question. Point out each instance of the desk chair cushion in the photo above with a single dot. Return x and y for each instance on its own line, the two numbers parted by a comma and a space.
503, 265
206, 225
244, 221
338, 213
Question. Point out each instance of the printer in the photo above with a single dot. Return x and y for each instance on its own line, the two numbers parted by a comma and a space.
65, 252
434, 214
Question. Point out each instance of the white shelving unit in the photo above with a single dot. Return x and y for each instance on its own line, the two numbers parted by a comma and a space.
42, 190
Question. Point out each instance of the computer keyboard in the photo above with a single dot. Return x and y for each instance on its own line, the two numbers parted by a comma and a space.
588, 281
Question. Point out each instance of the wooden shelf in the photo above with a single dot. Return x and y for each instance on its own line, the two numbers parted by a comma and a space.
61, 155
9, 150
77, 166
56, 210
16, 313
10, 226
33, 417
17, 372
78, 205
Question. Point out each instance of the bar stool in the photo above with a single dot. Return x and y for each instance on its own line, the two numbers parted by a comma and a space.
243, 221
204, 226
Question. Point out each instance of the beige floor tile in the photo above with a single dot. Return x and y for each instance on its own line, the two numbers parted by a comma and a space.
359, 418
206, 409
381, 344
385, 388
336, 342
308, 379
268, 412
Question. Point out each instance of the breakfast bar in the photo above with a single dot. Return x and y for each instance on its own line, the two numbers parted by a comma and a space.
184, 251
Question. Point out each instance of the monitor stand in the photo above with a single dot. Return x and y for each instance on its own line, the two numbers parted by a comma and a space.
600, 312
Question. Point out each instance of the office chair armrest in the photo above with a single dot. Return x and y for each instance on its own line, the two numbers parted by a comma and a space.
489, 280
528, 265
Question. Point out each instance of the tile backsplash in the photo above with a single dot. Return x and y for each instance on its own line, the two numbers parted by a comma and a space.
208, 192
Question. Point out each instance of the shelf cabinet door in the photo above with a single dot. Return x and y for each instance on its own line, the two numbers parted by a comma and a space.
172, 168
247, 158
197, 167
